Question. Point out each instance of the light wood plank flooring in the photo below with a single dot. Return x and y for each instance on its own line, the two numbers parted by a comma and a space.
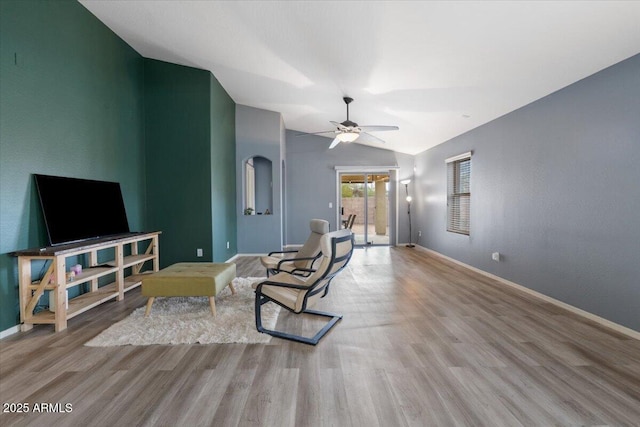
423, 342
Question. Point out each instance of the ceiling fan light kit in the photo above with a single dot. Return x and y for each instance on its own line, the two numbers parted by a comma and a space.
347, 136
349, 131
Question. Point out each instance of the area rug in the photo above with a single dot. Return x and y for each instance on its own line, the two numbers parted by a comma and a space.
188, 320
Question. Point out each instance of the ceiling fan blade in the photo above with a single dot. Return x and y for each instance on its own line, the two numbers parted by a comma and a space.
317, 133
334, 143
378, 128
349, 131
375, 138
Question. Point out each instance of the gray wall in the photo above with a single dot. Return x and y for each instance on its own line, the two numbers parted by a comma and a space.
258, 133
555, 189
283, 179
311, 179
406, 162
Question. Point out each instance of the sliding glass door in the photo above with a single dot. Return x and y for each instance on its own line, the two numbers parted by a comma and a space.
364, 206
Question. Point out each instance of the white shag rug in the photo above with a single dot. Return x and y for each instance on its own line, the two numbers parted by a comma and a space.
188, 320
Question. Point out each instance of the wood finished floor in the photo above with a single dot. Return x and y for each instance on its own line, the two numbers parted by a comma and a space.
423, 342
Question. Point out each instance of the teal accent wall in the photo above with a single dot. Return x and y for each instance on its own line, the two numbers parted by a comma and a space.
177, 128
190, 141
71, 104
223, 173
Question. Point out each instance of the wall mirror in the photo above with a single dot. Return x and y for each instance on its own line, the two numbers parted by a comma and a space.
258, 186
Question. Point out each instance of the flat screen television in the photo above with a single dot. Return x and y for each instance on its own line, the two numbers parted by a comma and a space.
80, 209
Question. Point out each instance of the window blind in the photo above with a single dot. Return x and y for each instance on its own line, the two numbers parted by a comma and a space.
459, 193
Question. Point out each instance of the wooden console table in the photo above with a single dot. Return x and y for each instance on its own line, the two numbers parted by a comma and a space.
128, 258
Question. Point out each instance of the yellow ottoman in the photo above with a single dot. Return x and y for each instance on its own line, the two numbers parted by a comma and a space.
189, 279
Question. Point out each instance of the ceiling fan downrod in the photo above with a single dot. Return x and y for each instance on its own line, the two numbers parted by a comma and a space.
347, 100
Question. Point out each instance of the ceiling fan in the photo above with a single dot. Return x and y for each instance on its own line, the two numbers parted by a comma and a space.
349, 131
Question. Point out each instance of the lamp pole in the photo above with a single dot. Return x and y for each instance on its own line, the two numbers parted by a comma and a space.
406, 189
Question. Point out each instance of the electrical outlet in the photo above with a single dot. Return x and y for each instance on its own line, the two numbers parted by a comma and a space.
420, 233
199, 252
495, 256
227, 245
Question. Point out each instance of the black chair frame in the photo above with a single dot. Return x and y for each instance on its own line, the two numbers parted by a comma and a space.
320, 285
305, 272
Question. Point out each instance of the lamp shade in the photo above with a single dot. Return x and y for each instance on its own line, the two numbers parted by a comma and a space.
405, 181
409, 199
347, 136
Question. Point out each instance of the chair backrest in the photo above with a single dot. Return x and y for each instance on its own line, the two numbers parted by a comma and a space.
337, 248
311, 247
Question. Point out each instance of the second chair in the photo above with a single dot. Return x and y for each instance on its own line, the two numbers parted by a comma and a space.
299, 262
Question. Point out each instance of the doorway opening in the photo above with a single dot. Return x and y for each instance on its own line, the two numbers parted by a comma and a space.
364, 207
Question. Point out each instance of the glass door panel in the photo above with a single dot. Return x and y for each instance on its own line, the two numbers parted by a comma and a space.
353, 205
365, 207
378, 207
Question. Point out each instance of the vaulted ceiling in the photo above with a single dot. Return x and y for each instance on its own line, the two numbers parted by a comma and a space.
436, 69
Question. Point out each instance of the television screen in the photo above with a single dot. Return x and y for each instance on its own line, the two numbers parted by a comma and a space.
79, 209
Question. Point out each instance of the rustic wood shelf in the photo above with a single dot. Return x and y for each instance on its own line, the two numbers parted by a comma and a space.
84, 302
132, 260
89, 274
134, 280
55, 279
41, 318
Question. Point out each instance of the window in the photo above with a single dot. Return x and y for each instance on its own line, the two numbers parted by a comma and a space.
458, 193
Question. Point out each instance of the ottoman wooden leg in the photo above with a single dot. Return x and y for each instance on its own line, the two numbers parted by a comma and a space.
233, 290
212, 304
149, 304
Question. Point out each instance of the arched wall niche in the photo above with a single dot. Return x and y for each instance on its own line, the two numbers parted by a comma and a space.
258, 186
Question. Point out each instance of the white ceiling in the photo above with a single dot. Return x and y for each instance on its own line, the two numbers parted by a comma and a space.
436, 69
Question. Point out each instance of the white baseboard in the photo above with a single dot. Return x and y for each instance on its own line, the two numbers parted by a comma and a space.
233, 258
609, 324
7, 332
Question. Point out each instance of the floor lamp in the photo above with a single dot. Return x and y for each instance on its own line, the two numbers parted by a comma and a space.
406, 188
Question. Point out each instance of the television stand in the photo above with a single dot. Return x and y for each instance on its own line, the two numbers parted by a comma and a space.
119, 260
